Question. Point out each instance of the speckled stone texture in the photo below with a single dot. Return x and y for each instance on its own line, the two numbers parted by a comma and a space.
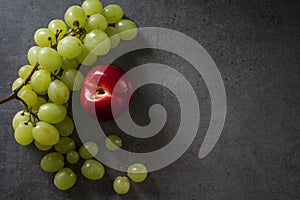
256, 46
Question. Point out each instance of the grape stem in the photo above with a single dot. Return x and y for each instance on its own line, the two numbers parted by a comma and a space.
14, 94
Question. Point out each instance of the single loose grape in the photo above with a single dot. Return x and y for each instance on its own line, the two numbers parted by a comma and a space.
72, 157
45, 133
121, 185
69, 47
92, 169
96, 21
137, 172
32, 54
75, 17
65, 179
52, 113
24, 71
49, 59
114, 37
44, 37
65, 127
23, 134
52, 162
30, 97
88, 150
58, 92
73, 79
41, 146
64, 145
113, 13
40, 81
91, 7
58, 26
97, 42
127, 29
113, 142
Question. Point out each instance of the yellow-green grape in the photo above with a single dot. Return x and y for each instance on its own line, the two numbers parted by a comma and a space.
137, 172
32, 54
113, 35
19, 82
42, 147
92, 169
24, 71
49, 59
20, 117
58, 92
40, 81
23, 133
75, 17
40, 102
73, 79
113, 13
96, 21
64, 145
69, 63
97, 42
127, 29
45, 133
69, 47
65, 127
56, 26
121, 185
65, 179
52, 113
88, 150
52, 162
91, 7
113, 142
30, 97
44, 37
72, 157
86, 58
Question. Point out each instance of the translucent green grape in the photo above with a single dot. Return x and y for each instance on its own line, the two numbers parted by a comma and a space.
72, 157
91, 7
24, 71
23, 134
114, 37
137, 172
75, 17
97, 42
96, 21
113, 142
127, 29
73, 79
70, 63
56, 26
65, 127
44, 37
113, 13
88, 150
19, 82
65, 179
40, 102
49, 59
52, 113
40, 81
69, 47
121, 185
32, 54
86, 58
92, 169
64, 145
20, 117
30, 97
41, 146
58, 92
52, 162
45, 133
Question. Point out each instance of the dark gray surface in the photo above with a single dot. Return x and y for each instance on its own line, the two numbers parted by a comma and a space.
255, 44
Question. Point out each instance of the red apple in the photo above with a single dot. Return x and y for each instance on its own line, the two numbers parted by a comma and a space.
99, 90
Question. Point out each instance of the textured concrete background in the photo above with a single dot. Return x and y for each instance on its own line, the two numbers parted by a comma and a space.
255, 44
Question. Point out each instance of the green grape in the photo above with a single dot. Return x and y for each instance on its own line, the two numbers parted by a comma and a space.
92, 169
88, 150
52, 162
127, 29
44, 37
23, 134
113, 142
32, 54
20, 117
72, 157
70, 63
30, 97
24, 71
19, 82
40, 81
56, 26
64, 145
137, 172
73, 79
40, 102
65, 179
91, 7
96, 21
114, 37
41, 146
75, 17
113, 13
58, 92
121, 185
97, 42
86, 58
69, 47
65, 127
45, 133
49, 59
52, 113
